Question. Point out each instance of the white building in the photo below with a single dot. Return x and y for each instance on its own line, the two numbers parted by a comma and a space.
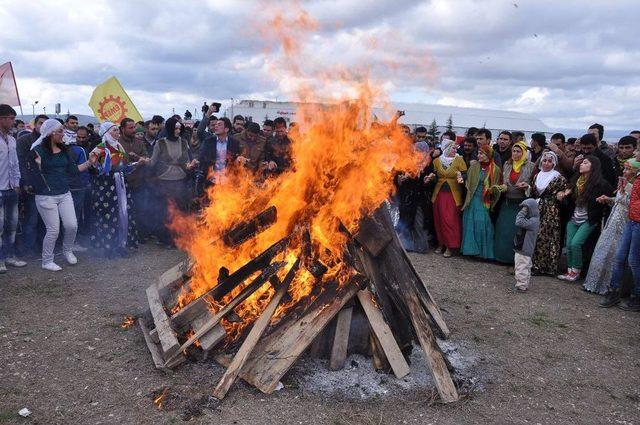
415, 115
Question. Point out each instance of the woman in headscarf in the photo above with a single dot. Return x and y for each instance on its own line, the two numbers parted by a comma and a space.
599, 274
586, 212
172, 165
55, 168
114, 227
447, 197
516, 175
546, 185
482, 180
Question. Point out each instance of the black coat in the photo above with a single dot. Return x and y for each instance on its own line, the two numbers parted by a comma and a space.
208, 153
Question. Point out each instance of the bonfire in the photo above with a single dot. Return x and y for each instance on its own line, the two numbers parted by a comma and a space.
278, 263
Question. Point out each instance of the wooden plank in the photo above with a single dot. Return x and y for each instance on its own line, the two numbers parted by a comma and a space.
341, 339
378, 358
211, 338
388, 299
153, 348
383, 334
435, 360
243, 295
405, 281
382, 216
246, 230
372, 236
168, 340
275, 354
175, 273
254, 335
183, 317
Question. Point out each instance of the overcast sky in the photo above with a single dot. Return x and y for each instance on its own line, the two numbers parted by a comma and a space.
570, 63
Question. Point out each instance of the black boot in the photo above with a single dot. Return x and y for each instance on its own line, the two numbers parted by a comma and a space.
611, 298
632, 305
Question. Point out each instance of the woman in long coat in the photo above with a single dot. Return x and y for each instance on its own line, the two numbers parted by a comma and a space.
546, 185
447, 197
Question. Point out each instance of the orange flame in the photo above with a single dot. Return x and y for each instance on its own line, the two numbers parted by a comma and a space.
343, 162
158, 401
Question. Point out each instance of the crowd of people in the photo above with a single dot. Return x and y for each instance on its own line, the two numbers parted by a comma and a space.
113, 187
534, 206
524, 205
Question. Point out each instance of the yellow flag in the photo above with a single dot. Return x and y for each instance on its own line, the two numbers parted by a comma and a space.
110, 102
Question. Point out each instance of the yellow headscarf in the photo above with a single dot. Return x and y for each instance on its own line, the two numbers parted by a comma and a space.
518, 164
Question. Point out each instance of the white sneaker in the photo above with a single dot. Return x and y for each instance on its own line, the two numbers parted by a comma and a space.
71, 259
3, 268
79, 248
53, 267
14, 262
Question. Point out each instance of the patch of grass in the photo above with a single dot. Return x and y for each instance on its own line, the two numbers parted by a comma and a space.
542, 320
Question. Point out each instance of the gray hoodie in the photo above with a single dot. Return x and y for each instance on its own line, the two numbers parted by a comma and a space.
528, 224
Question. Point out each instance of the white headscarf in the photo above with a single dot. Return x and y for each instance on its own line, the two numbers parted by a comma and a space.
47, 128
106, 136
447, 146
545, 177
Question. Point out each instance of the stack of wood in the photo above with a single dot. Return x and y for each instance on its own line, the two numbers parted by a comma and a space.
384, 286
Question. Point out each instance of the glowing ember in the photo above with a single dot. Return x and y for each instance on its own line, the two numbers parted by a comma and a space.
343, 164
127, 322
158, 401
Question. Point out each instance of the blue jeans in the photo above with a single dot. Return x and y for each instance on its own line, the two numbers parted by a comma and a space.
27, 243
79, 196
628, 250
8, 222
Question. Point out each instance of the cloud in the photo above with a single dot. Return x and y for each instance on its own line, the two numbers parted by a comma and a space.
570, 63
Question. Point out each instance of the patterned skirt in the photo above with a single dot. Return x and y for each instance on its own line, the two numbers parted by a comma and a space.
107, 225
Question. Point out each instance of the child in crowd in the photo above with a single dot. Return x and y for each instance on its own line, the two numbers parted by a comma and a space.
524, 243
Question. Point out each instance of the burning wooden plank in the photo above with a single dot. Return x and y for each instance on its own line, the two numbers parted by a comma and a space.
183, 317
275, 354
254, 335
244, 231
243, 295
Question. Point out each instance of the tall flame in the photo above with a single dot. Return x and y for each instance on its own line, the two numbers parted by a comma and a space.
342, 170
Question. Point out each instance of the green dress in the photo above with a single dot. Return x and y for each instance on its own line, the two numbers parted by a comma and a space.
477, 237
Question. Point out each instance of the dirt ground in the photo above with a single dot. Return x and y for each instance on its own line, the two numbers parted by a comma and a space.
547, 356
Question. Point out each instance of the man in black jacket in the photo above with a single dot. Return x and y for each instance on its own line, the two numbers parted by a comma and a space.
589, 146
217, 152
27, 240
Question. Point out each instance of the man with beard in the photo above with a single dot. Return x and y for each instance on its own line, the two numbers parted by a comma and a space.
136, 180
238, 125
504, 144
538, 145
252, 146
278, 149
626, 149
